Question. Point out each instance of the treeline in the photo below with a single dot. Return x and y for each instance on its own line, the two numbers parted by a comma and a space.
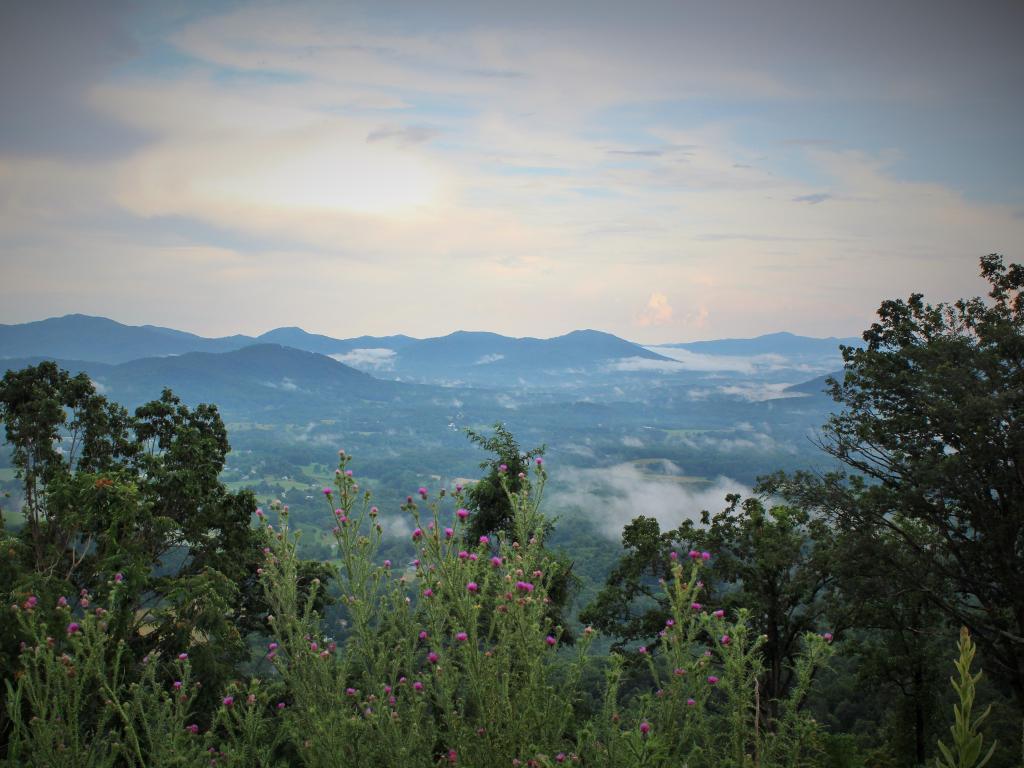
156, 618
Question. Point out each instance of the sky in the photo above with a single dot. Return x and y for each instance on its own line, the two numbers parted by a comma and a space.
664, 171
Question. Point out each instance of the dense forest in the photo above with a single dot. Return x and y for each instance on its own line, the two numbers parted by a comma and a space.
159, 613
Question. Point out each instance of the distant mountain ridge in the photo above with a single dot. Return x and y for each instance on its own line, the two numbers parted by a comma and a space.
462, 358
253, 378
781, 343
84, 337
99, 339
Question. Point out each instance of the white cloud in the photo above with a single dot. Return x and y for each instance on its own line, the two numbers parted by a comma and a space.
268, 172
377, 359
613, 496
646, 364
657, 312
487, 359
759, 391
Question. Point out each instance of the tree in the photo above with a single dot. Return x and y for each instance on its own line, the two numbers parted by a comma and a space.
492, 510
931, 422
135, 499
777, 561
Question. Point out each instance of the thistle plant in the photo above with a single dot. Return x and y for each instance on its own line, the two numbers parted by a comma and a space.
80, 700
965, 751
452, 659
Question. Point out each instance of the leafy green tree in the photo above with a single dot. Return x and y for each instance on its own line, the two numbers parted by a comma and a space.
931, 422
776, 561
132, 500
488, 500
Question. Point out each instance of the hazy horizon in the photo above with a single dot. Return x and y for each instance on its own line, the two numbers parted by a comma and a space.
257, 333
666, 172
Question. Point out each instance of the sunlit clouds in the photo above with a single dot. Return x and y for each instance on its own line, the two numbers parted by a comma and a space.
677, 174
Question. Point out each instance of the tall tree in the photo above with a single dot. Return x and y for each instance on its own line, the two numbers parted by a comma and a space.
135, 499
931, 418
776, 561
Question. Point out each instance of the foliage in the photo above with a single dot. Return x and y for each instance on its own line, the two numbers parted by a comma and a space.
132, 500
965, 751
777, 561
492, 512
487, 497
931, 420
451, 660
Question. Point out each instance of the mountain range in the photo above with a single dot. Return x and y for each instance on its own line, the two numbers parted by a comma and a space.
99, 339
279, 368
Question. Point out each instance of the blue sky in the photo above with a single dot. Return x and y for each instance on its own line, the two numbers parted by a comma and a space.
663, 171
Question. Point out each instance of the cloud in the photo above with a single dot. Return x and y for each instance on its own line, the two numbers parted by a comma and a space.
613, 496
296, 140
756, 393
813, 199
51, 54
410, 134
488, 359
377, 359
632, 442
657, 312
729, 443
285, 384
629, 364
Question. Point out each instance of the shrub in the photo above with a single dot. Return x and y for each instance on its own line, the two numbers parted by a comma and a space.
451, 659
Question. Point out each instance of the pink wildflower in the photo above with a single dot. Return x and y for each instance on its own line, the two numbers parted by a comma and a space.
472, 587
463, 514
645, 727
